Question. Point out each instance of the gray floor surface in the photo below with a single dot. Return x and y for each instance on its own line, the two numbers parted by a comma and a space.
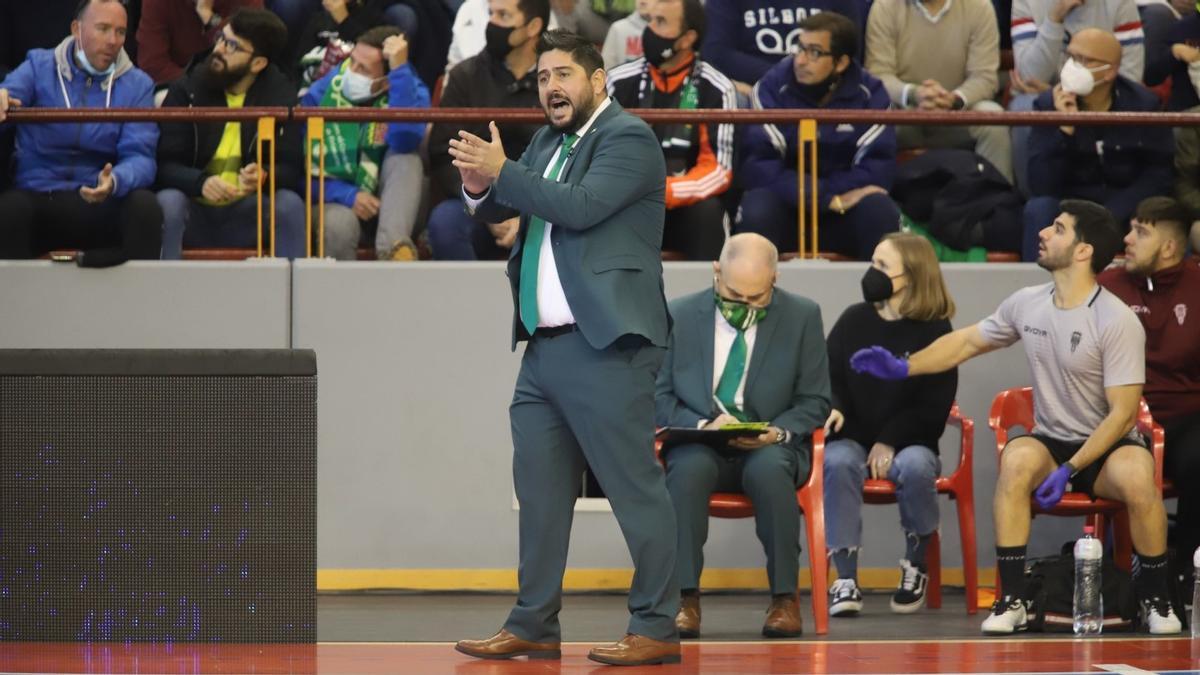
446, 617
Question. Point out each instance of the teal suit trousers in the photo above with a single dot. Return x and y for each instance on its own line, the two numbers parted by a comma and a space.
574, 407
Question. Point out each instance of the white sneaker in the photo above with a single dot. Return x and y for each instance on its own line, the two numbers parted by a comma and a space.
910, 595
1009, 615
844, 598
1160, 617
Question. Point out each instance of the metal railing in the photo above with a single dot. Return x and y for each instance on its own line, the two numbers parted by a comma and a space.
807, 219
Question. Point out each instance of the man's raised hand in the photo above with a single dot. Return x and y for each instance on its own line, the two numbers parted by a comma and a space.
478, 161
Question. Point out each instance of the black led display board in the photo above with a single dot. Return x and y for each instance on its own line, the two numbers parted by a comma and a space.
155, 495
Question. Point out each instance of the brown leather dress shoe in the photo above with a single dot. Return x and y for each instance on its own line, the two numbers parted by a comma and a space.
688, 618
637, 650
783, 617
505, 645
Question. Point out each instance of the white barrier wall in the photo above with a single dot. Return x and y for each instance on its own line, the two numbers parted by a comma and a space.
415, 377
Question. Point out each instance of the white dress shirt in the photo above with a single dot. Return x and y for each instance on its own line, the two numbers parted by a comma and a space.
553, 309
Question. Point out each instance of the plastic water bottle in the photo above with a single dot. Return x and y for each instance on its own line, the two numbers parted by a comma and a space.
1196, 596
1088, 612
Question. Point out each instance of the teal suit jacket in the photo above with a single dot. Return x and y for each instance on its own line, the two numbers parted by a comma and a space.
787, 383
607, 213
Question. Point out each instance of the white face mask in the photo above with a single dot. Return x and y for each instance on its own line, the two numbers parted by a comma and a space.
356, 86
1077, 79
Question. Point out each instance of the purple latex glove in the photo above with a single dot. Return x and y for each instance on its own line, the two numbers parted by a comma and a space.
1051, 490
879, 362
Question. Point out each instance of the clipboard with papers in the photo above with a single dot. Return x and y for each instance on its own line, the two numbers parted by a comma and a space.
718, 439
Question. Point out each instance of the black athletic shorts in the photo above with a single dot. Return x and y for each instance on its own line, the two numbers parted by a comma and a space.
1085, 480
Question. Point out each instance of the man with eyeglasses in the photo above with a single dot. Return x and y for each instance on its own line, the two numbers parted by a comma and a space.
748, 37
743, 351
1114, 166
209, 173
940, 55
857, 161
82, 185
1040, 30
372, 171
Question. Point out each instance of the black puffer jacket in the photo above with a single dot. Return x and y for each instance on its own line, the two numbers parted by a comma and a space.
185, 148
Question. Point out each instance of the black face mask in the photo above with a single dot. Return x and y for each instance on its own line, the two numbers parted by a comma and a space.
497, 40
657, 49
877, 285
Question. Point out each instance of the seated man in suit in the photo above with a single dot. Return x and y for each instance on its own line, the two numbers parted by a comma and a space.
744, 351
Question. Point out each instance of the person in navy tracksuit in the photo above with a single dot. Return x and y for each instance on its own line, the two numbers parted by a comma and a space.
855, 162
745, 38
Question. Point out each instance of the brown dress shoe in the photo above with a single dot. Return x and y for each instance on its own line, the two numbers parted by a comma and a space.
636, 650
505, 645
783, 617
688, 618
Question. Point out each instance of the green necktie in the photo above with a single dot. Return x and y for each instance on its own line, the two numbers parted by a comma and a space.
731, 377
532, 247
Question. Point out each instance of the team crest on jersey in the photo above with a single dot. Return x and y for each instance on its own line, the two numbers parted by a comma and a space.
1180, 313
1076, 336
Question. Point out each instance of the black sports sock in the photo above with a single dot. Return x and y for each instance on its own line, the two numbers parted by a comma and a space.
1150, 577
1010, 561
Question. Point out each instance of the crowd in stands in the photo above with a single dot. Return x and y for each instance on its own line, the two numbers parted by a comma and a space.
391, 187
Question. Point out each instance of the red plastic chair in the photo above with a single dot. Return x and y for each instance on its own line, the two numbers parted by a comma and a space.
810, 497
960, 486
1014, 407
1158, 441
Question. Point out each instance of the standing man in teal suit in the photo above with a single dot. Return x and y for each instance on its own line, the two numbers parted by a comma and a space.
586, 276
744, 351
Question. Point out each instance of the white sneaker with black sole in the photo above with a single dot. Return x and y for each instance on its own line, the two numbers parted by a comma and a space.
1160, 617
910, 596
844, 598
1009, 615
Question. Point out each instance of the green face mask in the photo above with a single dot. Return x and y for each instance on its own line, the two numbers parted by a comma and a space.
739, 315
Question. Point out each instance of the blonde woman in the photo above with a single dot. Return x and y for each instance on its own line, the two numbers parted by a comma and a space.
887, 429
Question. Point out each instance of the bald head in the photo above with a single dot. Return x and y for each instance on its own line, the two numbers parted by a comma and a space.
1097, 44
747, 269
751, 249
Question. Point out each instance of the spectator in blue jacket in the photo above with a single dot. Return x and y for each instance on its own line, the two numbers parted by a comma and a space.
82, 185
372, 171
745, 38
855, 162
1114, 166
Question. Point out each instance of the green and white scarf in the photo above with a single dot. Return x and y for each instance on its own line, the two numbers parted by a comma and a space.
353, 151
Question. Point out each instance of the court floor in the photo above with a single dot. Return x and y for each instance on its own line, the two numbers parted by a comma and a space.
414, 633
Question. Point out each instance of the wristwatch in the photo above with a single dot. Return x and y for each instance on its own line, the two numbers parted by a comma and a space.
780, 435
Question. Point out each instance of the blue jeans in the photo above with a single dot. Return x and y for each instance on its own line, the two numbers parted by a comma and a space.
914, 470
295, 13
188, 222
854, 233
454, 235
403, 17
